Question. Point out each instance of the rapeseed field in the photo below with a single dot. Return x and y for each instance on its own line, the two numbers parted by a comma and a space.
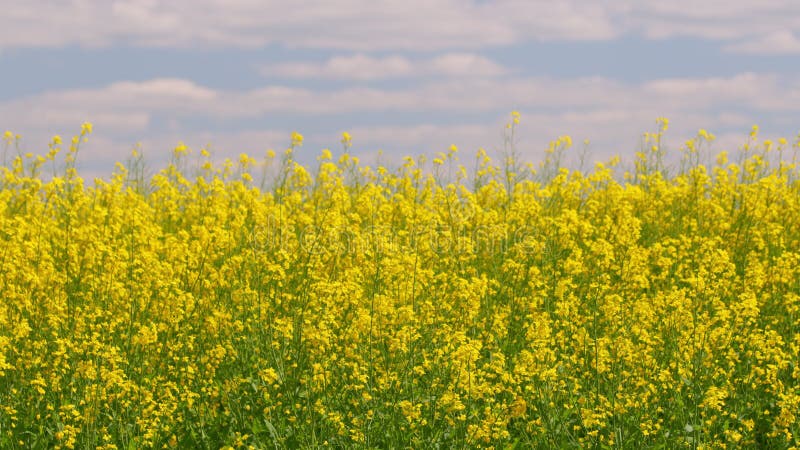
456, 302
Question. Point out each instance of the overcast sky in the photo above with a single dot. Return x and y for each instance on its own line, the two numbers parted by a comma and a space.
406, 77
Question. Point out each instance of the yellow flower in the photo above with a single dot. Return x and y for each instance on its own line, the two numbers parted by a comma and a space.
472, 300
663, 124
519, 407
181, 149
297, 139
245, 160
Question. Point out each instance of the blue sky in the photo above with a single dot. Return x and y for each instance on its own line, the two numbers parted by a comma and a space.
405, 77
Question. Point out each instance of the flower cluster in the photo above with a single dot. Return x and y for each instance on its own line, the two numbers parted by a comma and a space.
419, 306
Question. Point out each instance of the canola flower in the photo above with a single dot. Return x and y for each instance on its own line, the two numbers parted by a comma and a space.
356, 306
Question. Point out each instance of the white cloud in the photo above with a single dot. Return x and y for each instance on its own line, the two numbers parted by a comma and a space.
414, 25
182, 98
362, 67
611, 114
730, 20
356, 67
356, 25
743, 89
122, 106
418, 138
778, 42
464, 64
184, 90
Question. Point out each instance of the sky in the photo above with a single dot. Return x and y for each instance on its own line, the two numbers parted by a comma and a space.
403, 78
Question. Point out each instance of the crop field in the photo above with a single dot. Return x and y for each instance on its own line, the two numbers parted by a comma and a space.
457, 302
